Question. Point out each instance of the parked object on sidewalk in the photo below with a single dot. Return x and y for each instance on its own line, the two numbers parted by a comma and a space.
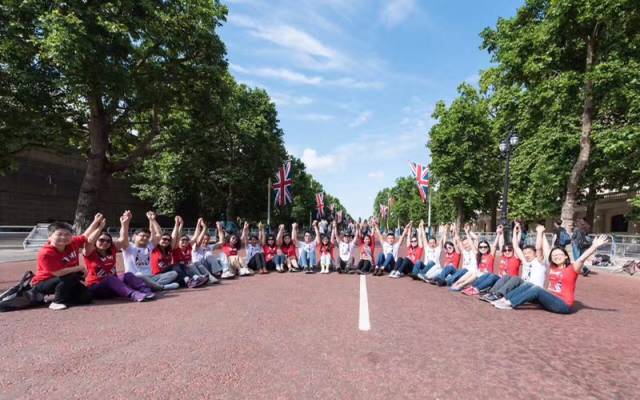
630, 267
601, 260
20, 296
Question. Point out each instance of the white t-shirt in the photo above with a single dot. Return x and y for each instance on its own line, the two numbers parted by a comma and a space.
137, 260
253, 250
346, 250
469, 261
534, 272
432, 254
309, 247
201, 253
391, 249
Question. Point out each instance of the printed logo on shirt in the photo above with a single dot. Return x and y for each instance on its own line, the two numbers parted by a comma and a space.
70, 257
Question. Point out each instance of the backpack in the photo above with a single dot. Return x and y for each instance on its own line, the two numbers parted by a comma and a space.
21, 295
564, 238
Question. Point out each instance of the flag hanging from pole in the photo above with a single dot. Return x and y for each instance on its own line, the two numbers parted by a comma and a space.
384, 211
282, 185
422, 175
320, 204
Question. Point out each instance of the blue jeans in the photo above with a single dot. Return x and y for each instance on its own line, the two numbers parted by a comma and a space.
528, 293
421, 268
307, 259
451, 279
386, 261
280, 259
485, 281
575, 249
446, 272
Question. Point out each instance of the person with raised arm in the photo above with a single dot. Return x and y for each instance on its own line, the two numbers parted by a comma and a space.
272, 254
386, 260
468, 250
59, 271
99, 254
415, 250
451, 259
484, 260
432, 251
288, 247
325, 244
230, 258
202, 257
559, 296
255, 259
307, 250
181, 256
533, 271
366, 251
346, 245
486, 281
137, 257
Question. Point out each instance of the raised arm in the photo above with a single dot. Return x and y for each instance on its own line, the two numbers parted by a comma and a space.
95, 225
597, 242
154, 227
294, 233
515, 241
472, 237
177, 230
456, 239
90, 244
376, 230
334, 232
542, 245
244, 238
499, 242
280, 235
123, 240
194, 238
317, 231
421, 235
220, 231
406, 233
445, 235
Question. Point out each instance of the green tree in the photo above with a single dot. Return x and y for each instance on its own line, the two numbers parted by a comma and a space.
573, 64
407, 204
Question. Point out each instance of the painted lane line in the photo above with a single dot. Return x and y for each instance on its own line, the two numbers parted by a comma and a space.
364, 323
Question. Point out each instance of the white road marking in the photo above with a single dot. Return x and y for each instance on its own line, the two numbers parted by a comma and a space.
364, 323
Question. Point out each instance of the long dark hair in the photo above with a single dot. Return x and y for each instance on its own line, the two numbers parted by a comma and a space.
165, 250
237, 245
479, 254
567, 261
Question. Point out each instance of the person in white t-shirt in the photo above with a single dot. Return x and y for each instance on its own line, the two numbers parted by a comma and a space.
432, 250
346, 245
306, 249
137, 258
202, 255
533, 271
390, 246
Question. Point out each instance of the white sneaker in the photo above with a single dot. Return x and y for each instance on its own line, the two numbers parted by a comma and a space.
171, 286
212, 279
392, 274
228, 275
57, 306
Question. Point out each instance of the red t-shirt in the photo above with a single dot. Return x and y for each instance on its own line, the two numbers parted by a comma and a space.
99, 266
562, 283
326, 249
181, 255
269, 252
452, 258
51, 260
486, 263
289, 250
229, 250
415, 254
509, 266
366, 251
160, 261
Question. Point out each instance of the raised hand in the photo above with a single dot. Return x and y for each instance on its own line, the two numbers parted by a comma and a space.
281, 227
260, 226
294, 225
467, 227
540, 228
516, 226
126, 217
500, 229
98, 217
246, 225
179, 220
151, 215
314, 224
600, 240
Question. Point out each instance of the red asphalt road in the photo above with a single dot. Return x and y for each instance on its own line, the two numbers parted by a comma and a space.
295, 336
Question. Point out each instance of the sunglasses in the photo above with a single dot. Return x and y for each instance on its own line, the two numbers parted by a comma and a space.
508, 250
483, 247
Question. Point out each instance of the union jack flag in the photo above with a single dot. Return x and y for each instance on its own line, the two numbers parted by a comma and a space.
384, 211
283, 184
422, 175
320, 204
339, 217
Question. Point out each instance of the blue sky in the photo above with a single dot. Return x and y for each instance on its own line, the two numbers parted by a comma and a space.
355, 81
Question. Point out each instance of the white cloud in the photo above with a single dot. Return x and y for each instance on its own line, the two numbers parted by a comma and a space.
321, 163
316, 117
396, 11
376, 175
361, 119
286, 99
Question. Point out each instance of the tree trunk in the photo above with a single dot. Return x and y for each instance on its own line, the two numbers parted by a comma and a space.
96, 172
230, 210
591, 207
460, 213
588, 111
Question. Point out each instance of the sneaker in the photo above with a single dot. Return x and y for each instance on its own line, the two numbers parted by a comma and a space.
171, 286
503, 305
213, 279
294, 269
198, 281
399, 274
149, 295
138, 296
57, 306
421, 277
453, 289
492, 297
228, 275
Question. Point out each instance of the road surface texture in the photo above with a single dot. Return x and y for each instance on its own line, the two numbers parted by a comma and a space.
296, 336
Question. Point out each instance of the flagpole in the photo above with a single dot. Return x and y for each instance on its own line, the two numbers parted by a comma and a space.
269, 204
429, 216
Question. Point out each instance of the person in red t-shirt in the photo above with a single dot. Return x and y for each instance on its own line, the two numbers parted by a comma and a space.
366, 249
100, 259
272, 254
415, 251
230, 258
325, 248
559, 295
288, 248
196, 273
485, 257
59, 271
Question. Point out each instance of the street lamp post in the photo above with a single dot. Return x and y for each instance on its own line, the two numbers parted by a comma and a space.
506, 146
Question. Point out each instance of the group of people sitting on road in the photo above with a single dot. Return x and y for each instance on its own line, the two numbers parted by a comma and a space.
504, 274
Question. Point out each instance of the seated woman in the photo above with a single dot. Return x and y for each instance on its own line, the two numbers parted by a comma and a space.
432, 251
415, 249
230, 259
452, 270
346, 244
202, 255
534, 271
450, 258
559, 295
255, 259
366, 250
386, 260
100, 258
485, 259
272, 254
182, 257
288, 247
59, 271
325, 247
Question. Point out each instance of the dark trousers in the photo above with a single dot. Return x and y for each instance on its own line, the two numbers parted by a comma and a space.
404, 265
113, 286
257, 262
364, 265
67, 289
